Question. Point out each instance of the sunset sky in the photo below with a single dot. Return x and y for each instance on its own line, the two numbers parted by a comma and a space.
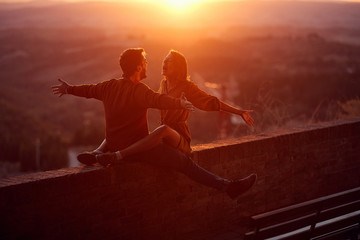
178, 5
179, 2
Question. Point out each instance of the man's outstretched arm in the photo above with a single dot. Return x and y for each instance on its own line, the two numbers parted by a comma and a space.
86, 90
150, 99
60, 89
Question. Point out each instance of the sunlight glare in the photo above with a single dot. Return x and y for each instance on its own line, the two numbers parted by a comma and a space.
179, 5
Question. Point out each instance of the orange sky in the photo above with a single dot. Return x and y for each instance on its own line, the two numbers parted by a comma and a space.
12, 1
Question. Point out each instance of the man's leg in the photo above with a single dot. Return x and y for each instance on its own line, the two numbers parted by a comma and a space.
162, 133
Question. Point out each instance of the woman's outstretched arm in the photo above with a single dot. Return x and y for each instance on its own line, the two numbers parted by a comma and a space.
206, 102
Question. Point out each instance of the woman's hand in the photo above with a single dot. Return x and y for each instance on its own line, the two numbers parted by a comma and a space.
247, 118
245, 114
60, 89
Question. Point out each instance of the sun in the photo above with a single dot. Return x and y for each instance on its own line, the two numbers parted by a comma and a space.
179, 5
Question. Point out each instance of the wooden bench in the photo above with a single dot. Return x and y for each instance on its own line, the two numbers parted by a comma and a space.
335, 217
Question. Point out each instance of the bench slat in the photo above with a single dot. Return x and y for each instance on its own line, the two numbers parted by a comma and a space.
283, 214
341, 234
341, 198
299, 235
331, 214
337, 224
286, 227
307, 207
339, 210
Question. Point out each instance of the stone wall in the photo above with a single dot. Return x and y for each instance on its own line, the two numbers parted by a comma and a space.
138, 201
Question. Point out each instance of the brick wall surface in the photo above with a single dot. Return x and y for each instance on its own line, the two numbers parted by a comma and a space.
138, 201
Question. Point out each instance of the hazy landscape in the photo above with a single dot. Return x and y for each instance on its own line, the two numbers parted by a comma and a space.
293, 63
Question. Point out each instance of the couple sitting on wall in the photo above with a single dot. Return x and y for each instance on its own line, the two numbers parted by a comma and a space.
126, 101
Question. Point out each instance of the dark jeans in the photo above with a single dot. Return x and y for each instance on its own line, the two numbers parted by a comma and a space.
165, 156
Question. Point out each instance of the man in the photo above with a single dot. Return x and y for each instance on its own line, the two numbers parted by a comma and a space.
125, 102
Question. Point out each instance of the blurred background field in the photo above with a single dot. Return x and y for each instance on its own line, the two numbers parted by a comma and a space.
293, 62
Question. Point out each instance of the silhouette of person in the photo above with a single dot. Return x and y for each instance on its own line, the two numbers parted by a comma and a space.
123, 123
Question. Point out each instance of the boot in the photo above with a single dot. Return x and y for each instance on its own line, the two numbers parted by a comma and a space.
240, 186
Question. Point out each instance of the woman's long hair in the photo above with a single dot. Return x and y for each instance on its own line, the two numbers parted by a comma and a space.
181, 69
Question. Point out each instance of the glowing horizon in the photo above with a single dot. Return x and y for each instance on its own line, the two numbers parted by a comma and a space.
175, 3
179, 8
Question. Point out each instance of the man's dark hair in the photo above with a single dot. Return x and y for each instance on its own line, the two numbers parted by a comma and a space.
130, 59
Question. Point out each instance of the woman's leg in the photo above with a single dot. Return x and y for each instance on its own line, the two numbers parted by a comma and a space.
163, 133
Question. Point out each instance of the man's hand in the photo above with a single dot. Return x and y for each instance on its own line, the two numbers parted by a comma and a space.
60, 89
185, 103
247, 118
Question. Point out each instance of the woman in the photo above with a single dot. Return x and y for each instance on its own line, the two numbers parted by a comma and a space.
174, 129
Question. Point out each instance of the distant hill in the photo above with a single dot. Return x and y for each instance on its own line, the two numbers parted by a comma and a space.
114, 15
